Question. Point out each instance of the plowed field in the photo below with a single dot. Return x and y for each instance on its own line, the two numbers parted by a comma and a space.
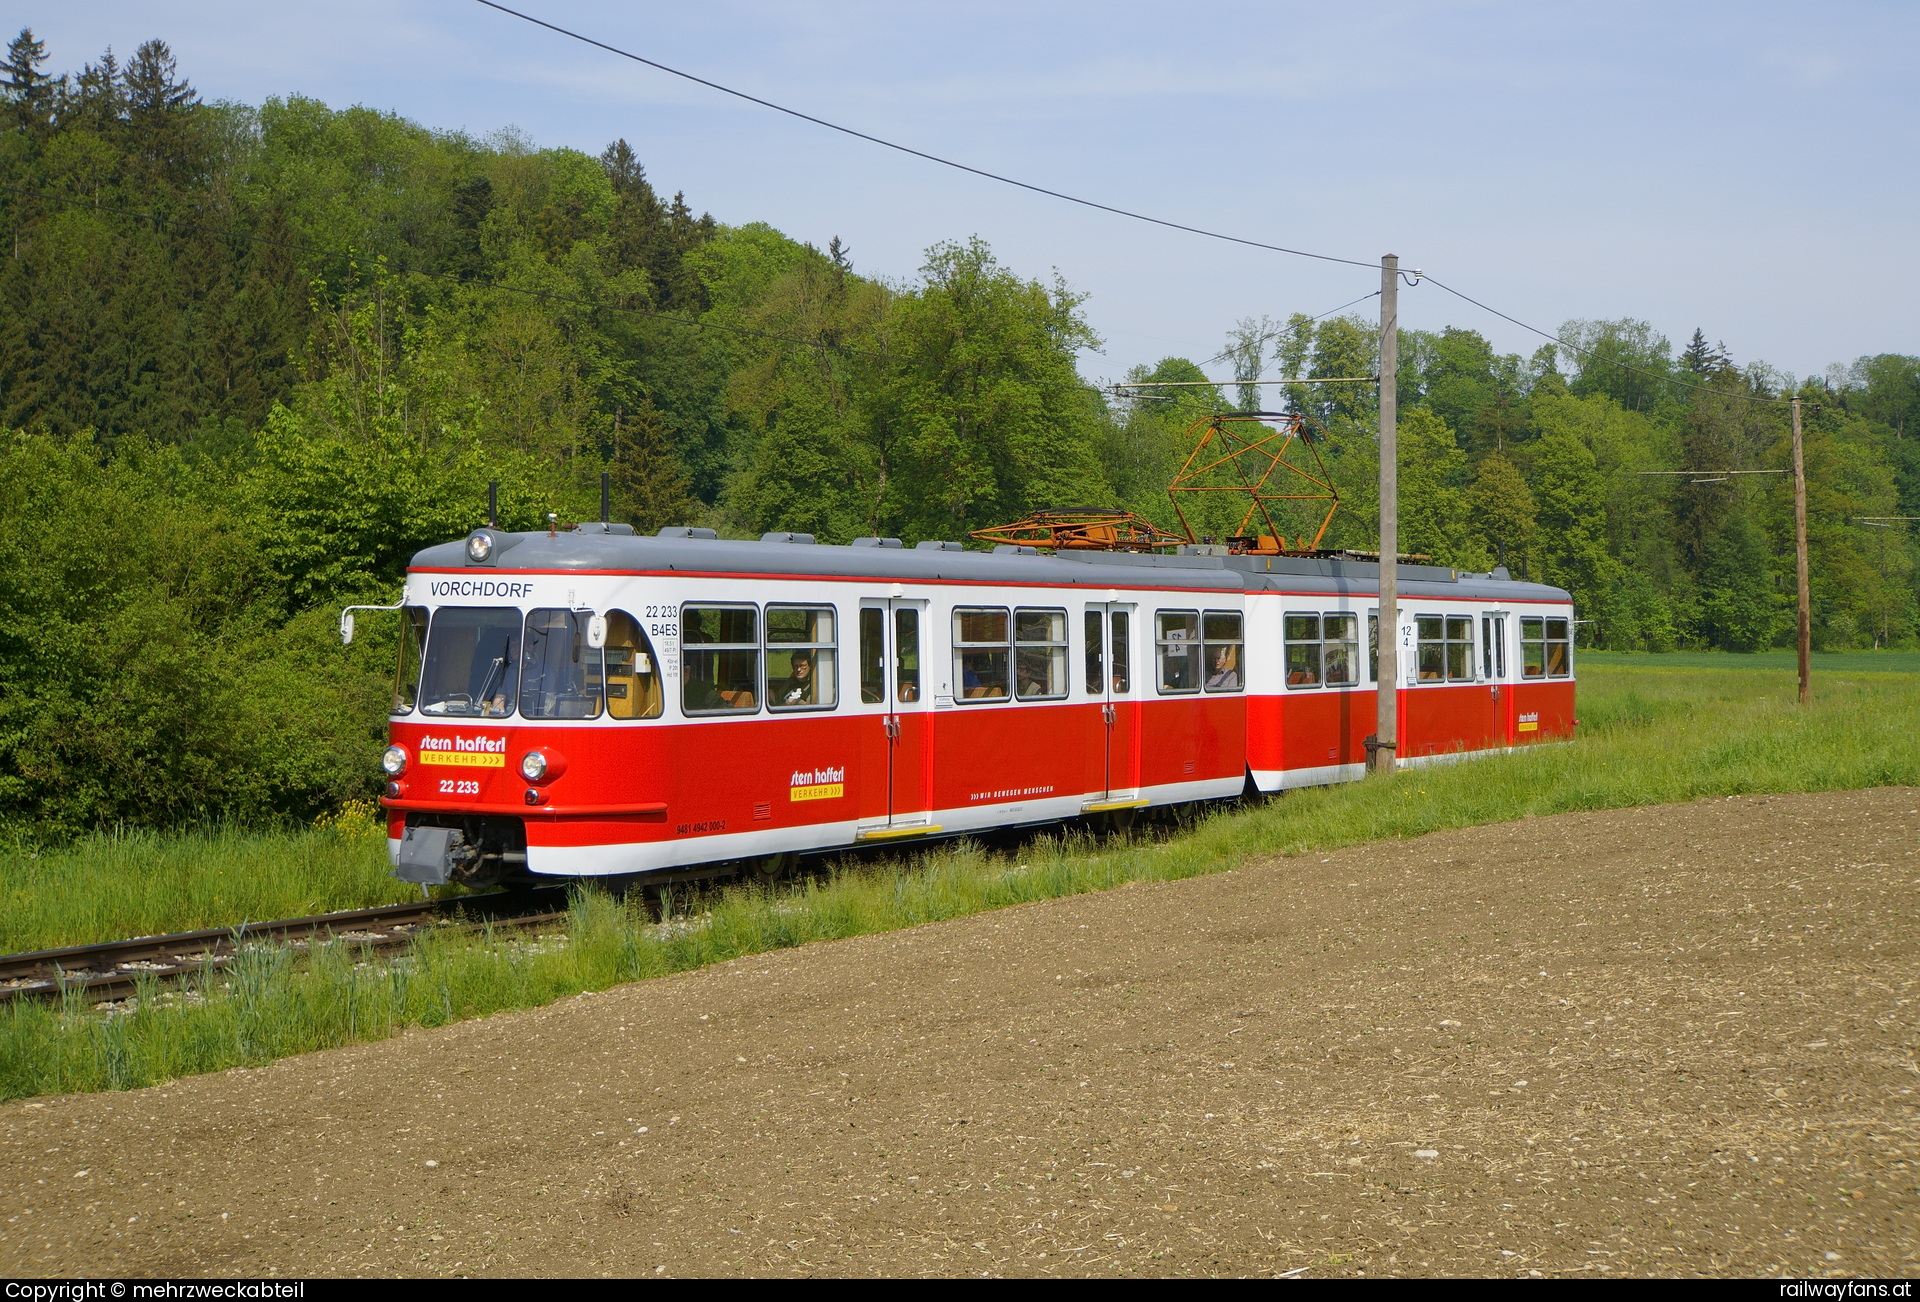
1672, 1040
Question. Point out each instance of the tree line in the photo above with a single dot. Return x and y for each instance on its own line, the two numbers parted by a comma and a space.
253, 357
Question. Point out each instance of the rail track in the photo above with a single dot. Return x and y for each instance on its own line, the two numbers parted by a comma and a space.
115, 968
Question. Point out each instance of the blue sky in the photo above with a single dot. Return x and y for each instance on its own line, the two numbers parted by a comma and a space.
1747, 168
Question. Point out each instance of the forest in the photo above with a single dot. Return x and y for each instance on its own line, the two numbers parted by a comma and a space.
252, 357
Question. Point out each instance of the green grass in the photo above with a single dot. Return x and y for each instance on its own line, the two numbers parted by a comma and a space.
117, 885
1821, 663
1651, 732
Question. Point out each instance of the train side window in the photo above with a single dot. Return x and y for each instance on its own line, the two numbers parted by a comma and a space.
873, 655
1559, 648
1459, 648
406, 674
906, 653
1303, 650
719, 659
1096, 668
472, 666
1546, 647
803, 670
981, 653
560, 675
1493, 646
1178, 639
633, 676
1431, 653
1040, 654
1340, 649
1221, 635
1533, 649
1373, 646
1120, 627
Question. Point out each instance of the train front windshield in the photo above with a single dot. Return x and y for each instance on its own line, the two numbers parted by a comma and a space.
472, 665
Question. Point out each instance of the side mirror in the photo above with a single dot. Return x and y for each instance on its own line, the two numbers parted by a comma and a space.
597, 632
346, 627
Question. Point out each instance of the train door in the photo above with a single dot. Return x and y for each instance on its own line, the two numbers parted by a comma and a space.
1493, 664
1111, 681
897, 745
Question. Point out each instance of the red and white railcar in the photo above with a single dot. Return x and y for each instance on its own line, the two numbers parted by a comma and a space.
592, 703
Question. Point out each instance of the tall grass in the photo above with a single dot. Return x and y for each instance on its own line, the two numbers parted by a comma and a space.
1648, 735
121, 884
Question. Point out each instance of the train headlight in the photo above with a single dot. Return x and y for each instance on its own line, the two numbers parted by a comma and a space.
394, 761
533, 766
479, 547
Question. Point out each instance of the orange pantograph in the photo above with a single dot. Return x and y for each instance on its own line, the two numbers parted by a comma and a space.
1252, 447
1224, 448
1087, 529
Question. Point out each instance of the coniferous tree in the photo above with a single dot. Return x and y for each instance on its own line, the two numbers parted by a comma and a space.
161, 117
1500, 510
1708, 363
1740, 608
98, 102
649, 485
30, 93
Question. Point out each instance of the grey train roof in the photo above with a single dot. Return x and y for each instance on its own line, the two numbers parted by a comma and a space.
616, 547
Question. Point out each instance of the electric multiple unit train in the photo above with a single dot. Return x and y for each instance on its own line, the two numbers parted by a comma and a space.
589, 703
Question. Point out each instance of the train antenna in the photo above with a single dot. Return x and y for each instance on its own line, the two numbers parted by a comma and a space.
606, 492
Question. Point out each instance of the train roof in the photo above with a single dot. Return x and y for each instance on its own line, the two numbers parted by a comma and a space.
616, 548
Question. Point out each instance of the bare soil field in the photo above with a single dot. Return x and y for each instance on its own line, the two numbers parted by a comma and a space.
1678, 1040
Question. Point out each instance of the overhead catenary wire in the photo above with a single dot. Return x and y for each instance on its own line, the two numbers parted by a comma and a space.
1222, 384
1413, 277
1273, 334
1587, 352
921, 153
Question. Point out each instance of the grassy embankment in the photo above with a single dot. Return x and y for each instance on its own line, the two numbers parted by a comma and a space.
1652, 732
125, 884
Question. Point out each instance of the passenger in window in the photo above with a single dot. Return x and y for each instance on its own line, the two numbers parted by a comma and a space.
798, 687
699, 694
1030, 674
1026, 678
1226, 670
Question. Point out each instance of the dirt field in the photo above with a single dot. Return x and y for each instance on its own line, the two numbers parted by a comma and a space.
1677, 1040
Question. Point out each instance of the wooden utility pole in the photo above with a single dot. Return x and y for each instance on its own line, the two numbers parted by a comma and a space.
1800, 555
1385, 743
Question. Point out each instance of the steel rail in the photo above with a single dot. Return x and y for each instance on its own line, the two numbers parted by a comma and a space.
115, 968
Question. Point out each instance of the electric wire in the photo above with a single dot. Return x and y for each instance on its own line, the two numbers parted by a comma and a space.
920, 153
1275, 334
1415, 276
1586, 352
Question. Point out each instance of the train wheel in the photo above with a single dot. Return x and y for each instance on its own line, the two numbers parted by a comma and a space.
770, 868
1114, 822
